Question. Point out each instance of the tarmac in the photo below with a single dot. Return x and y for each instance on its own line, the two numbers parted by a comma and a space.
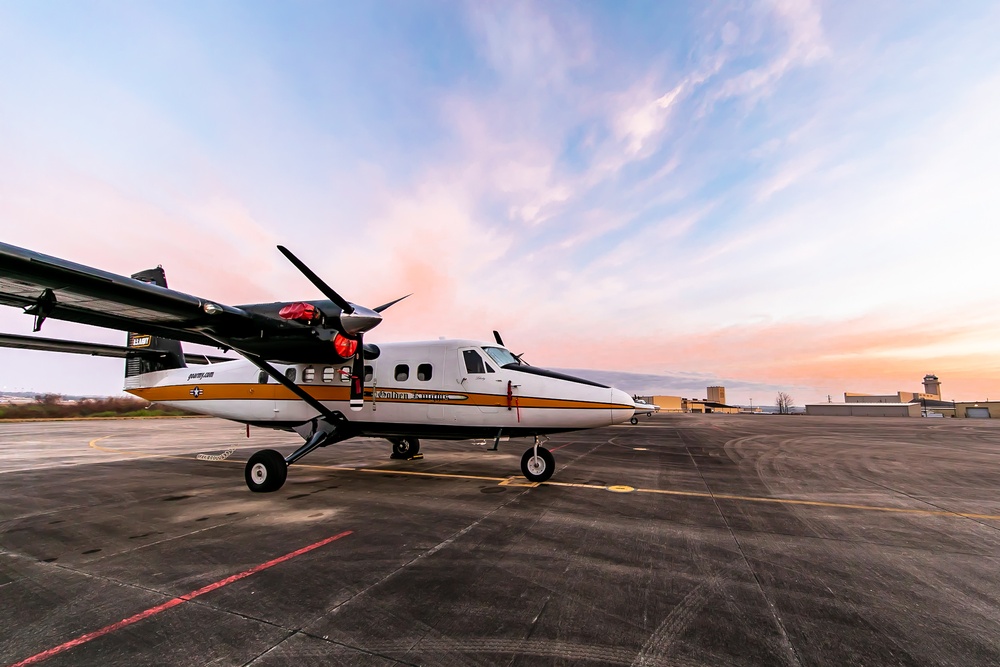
685, 540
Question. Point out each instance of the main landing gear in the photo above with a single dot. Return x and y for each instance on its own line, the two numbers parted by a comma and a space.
267, 469
537, 463
404, 448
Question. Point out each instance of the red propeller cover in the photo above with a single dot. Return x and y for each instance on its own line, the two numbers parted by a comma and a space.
301, 312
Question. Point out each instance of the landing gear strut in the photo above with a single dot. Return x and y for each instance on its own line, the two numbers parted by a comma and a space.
537, 463
267, 469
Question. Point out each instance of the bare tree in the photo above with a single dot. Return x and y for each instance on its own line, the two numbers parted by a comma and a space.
784, 403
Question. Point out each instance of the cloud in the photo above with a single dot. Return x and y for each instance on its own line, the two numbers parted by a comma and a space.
805, 44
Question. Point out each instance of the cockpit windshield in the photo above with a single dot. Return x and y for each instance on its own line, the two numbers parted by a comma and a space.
502, 356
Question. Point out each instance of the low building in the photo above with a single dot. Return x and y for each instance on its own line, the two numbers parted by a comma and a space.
706, 406
668, 403
898, 397
857, 409
977, 409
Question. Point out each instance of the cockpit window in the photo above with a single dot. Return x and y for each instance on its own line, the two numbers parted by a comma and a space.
473, 362
501, 356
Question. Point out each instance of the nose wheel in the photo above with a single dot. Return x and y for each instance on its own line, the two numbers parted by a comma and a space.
266, 471
538, 464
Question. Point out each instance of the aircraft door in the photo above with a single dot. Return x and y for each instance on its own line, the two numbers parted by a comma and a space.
480, 380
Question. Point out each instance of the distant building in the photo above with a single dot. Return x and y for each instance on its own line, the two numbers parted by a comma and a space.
932, 391
717, 394
707, 406
978, 410
932, 386
668, 403
859, 409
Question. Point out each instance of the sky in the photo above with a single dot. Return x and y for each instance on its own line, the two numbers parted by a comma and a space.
775, 196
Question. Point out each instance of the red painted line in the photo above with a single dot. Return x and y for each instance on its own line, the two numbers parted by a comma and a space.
83, 639
561, 446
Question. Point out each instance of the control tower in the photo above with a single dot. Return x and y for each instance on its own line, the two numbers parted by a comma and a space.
932, 385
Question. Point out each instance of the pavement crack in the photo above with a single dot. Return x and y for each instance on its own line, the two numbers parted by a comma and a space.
792, 654
430, 552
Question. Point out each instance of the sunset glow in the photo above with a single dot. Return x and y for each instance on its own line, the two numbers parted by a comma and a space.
782, 196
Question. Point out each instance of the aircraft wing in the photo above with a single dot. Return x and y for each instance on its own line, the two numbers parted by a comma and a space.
94, 349
49, 287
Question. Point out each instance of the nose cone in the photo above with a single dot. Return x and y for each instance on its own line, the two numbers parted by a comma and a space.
361, 320
623, 408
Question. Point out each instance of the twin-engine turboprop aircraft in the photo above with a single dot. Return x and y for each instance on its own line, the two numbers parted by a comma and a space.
305, 367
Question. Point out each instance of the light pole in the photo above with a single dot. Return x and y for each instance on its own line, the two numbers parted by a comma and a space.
751, 405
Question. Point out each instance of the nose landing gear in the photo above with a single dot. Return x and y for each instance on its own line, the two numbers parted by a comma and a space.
537, 463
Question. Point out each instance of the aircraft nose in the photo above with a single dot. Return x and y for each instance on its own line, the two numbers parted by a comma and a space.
623, 408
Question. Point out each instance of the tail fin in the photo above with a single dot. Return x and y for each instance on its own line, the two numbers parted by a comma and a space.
172, 355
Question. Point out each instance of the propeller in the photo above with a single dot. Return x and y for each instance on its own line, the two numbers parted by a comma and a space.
499, 340
353, 321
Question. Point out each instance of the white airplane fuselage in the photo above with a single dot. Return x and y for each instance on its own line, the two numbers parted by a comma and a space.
440, 389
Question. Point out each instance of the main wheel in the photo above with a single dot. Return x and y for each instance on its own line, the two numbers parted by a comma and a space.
633, 421
405, 447
538, 468
266, 471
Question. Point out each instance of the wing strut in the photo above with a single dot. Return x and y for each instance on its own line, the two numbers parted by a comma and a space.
263, 365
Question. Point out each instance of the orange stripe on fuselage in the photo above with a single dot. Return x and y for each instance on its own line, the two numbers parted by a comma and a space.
275, 392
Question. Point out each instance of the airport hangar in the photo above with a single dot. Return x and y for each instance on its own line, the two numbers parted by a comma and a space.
715, 402
906, 404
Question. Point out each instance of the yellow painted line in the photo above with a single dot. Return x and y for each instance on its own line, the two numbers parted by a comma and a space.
575, 486
819, 503
513, 481
428, 474
93, 445
616, 488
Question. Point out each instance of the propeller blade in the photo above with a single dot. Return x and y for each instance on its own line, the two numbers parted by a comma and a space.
496, 335
358, 377
379, 309
327, 291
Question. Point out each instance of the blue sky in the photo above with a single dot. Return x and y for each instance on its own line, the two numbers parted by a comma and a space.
776, 194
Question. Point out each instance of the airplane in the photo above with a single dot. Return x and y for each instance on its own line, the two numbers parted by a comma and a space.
305, 366
641, 407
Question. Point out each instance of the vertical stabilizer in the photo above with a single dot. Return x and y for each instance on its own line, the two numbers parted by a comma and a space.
170, 353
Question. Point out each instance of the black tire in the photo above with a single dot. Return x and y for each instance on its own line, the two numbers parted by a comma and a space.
633, 421
541, 469
266, 471
405, 447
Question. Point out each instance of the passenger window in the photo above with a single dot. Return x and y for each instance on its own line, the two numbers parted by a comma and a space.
489, 369
328, 374
473, 362
369, 373
290, 374
424, 372
345, 373
309, 374
402, 373
262, 378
